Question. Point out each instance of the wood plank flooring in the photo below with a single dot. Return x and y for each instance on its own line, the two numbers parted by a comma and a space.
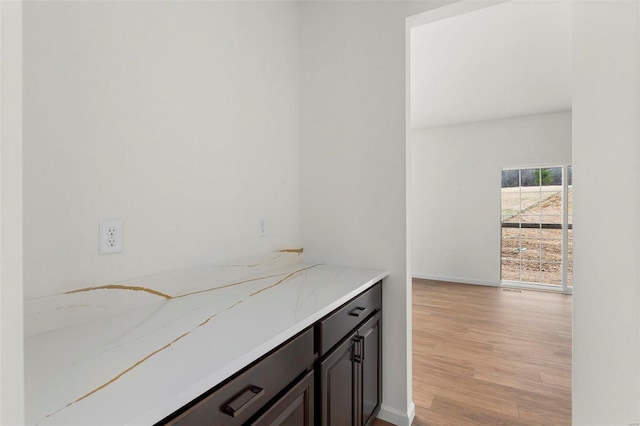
484, 356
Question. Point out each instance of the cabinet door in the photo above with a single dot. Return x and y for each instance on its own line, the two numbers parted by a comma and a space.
338, 384
370, 351
294, 408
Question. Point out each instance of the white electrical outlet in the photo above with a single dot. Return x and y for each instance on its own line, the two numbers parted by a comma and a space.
110, 236
262, 228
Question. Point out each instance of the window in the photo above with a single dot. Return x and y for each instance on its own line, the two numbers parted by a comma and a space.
536, 247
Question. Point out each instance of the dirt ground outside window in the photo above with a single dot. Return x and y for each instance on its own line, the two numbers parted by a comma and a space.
534, 255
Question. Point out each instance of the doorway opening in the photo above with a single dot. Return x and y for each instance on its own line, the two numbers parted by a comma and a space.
489, 96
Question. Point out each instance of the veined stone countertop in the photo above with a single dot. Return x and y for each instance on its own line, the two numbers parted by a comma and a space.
134, 352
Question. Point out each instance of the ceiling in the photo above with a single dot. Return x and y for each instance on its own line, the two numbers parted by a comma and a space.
507, 60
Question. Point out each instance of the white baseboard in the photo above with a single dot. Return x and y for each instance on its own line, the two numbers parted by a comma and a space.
397, 417
457, 280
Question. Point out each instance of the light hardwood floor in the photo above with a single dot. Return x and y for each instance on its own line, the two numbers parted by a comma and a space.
484, 356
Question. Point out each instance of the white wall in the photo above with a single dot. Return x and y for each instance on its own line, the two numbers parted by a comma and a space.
606, 108
179, 118
519, 53
456, 173
353, 163
11, 319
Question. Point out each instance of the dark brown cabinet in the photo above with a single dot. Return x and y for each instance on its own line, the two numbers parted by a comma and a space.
338, 386
329, 375
370, 383
294, 408
351, 378
349, 373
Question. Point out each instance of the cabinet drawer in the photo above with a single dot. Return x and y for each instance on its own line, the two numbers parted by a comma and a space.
335, 326
237, 400
293, 408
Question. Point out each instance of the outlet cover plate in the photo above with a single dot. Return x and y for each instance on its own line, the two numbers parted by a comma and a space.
262, 228
110, 237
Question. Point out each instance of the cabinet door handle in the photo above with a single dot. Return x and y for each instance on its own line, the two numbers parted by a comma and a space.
242, 401
357, 311
358, 352
355, 345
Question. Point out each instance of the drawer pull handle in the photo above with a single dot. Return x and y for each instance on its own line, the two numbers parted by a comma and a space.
242, 401
357, 311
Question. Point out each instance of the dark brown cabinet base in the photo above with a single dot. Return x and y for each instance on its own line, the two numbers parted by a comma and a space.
370, 391
338, 386
294, 408
350, 378
329, 375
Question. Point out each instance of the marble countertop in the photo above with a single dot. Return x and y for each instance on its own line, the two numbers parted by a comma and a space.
134, 352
